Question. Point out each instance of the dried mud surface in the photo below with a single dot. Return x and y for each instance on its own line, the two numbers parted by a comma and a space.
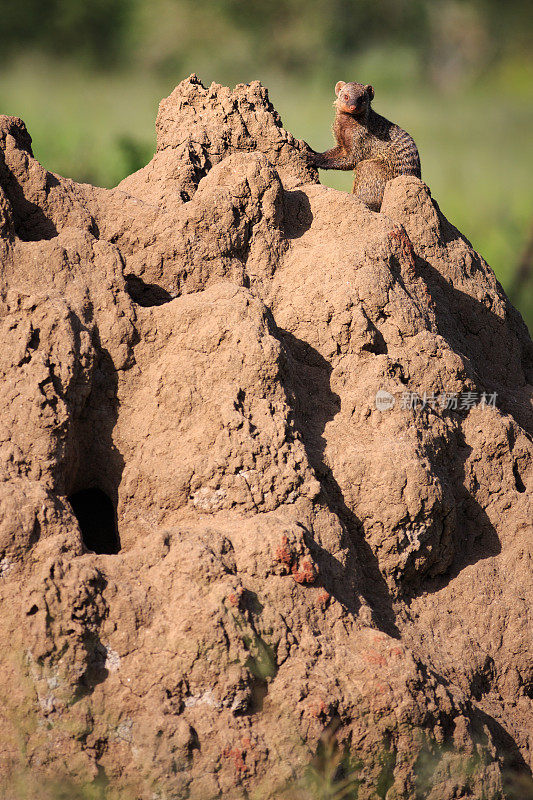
203, 345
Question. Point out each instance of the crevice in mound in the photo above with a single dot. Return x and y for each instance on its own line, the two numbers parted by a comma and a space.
378, 345
482, 680
31, 224
33, 344
146, 294
95, 464
297, 217
519, 483
97, 519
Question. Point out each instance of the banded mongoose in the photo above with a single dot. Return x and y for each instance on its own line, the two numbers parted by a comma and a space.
375, 148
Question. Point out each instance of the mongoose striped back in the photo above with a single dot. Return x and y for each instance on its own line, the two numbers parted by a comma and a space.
402, 152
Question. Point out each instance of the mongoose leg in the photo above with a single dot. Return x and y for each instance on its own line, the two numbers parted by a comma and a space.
371, 175
336, 158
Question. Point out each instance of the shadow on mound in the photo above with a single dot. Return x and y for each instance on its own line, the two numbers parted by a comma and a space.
314, 405
146, 294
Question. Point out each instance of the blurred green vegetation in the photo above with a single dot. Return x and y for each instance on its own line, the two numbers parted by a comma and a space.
457, 74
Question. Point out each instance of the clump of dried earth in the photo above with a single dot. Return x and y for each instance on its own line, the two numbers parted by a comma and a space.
215, 549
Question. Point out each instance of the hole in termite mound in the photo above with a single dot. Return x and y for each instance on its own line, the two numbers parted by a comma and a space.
97, 519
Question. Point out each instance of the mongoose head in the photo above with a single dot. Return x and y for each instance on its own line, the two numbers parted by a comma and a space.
353, 98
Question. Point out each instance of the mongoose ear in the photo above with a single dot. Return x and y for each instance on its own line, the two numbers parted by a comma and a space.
338, 86
370, 91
